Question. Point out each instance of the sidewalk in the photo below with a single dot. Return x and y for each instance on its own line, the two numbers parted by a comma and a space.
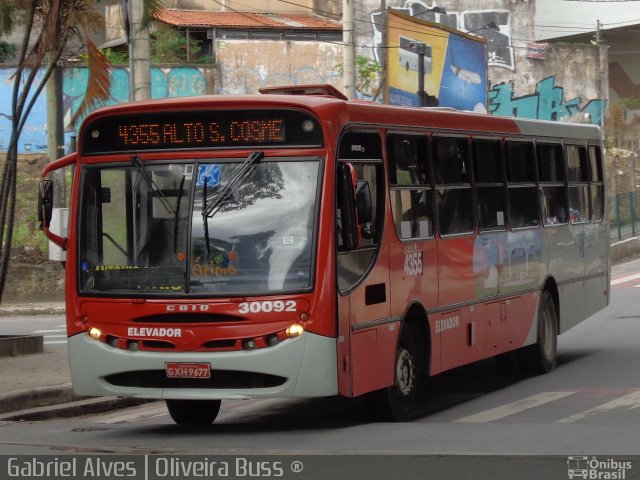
30, 382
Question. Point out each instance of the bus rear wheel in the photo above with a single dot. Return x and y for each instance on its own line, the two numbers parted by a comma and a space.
193, 412
395, 403
541, 357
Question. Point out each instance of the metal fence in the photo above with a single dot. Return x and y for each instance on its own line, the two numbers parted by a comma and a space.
624, 213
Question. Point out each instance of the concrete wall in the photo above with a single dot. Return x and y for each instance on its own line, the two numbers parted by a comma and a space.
246, 65
242, 66
28, 283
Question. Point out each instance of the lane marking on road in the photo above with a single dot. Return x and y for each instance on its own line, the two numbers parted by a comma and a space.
628, 402
514, 407
628, 278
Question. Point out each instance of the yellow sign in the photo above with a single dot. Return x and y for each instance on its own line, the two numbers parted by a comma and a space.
454, 66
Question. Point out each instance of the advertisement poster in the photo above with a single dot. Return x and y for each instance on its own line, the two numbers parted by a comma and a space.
455, 67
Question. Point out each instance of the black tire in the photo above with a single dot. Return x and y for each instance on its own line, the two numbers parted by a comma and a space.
193, 412
395, 403
541, 357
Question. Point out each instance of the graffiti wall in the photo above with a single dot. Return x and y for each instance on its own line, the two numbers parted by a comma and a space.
494, 24
547, 102
242, 67
165, 82
545, 88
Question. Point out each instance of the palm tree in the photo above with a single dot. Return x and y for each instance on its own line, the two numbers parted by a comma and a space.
49, 25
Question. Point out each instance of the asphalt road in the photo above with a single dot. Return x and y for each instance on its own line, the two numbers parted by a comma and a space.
590, 405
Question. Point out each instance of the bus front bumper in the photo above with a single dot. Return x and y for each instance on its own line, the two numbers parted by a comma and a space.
305, 366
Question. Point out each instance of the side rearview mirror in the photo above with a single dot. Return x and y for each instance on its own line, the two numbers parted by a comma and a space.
45, 203
348, 232
364, 207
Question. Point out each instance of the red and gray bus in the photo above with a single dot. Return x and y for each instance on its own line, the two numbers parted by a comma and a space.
297, 244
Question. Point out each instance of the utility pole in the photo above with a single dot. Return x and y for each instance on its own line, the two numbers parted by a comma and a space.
383, 50
603, 74
55, 133
421, 48
349, 53
139, 54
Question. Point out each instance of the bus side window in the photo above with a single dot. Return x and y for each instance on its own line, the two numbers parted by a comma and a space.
578, 177
453, 185
363, 152
551, 173
490, 193
597, 183
524, 202
411, 191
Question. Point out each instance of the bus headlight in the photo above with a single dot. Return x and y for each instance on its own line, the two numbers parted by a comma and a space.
95, 333
295, 330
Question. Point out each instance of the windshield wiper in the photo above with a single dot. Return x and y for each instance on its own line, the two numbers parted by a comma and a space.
205, 223
149, 179
176, 216
243, 172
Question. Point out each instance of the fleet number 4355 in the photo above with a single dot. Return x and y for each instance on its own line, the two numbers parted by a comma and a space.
413, 264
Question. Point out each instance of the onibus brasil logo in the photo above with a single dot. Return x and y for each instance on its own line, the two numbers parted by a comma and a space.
592, 468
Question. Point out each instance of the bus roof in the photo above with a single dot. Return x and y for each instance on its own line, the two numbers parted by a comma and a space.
344, 112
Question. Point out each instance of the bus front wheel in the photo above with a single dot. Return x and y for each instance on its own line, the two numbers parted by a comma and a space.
395, 403
193, 412
541, 357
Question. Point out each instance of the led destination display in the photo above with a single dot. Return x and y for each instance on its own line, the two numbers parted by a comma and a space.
200, 130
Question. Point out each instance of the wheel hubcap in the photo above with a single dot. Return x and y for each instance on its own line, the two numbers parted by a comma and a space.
405, 375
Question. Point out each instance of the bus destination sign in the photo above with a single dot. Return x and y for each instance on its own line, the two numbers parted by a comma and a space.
193, 130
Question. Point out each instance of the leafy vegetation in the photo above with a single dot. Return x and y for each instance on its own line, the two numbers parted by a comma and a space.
368, 73
7, 51
169, 45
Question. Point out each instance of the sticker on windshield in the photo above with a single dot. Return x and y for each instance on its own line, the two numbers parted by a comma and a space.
210, 174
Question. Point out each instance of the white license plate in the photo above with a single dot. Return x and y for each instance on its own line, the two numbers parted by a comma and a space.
188, 370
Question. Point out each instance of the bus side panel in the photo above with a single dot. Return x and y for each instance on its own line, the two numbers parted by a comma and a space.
373, 333
457, 278
344, 346
413, 269
596, 267
566, 265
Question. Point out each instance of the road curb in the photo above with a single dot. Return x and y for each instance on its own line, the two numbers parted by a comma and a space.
35, 397
57, 401
31, 309
76, 408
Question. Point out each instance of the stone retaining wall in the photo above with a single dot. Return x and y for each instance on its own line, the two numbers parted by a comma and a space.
34, 283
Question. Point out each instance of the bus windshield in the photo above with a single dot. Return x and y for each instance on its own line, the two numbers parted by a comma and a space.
225, 227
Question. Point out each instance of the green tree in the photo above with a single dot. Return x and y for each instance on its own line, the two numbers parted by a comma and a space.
170, 46
367, 74
7, 51
48, 27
